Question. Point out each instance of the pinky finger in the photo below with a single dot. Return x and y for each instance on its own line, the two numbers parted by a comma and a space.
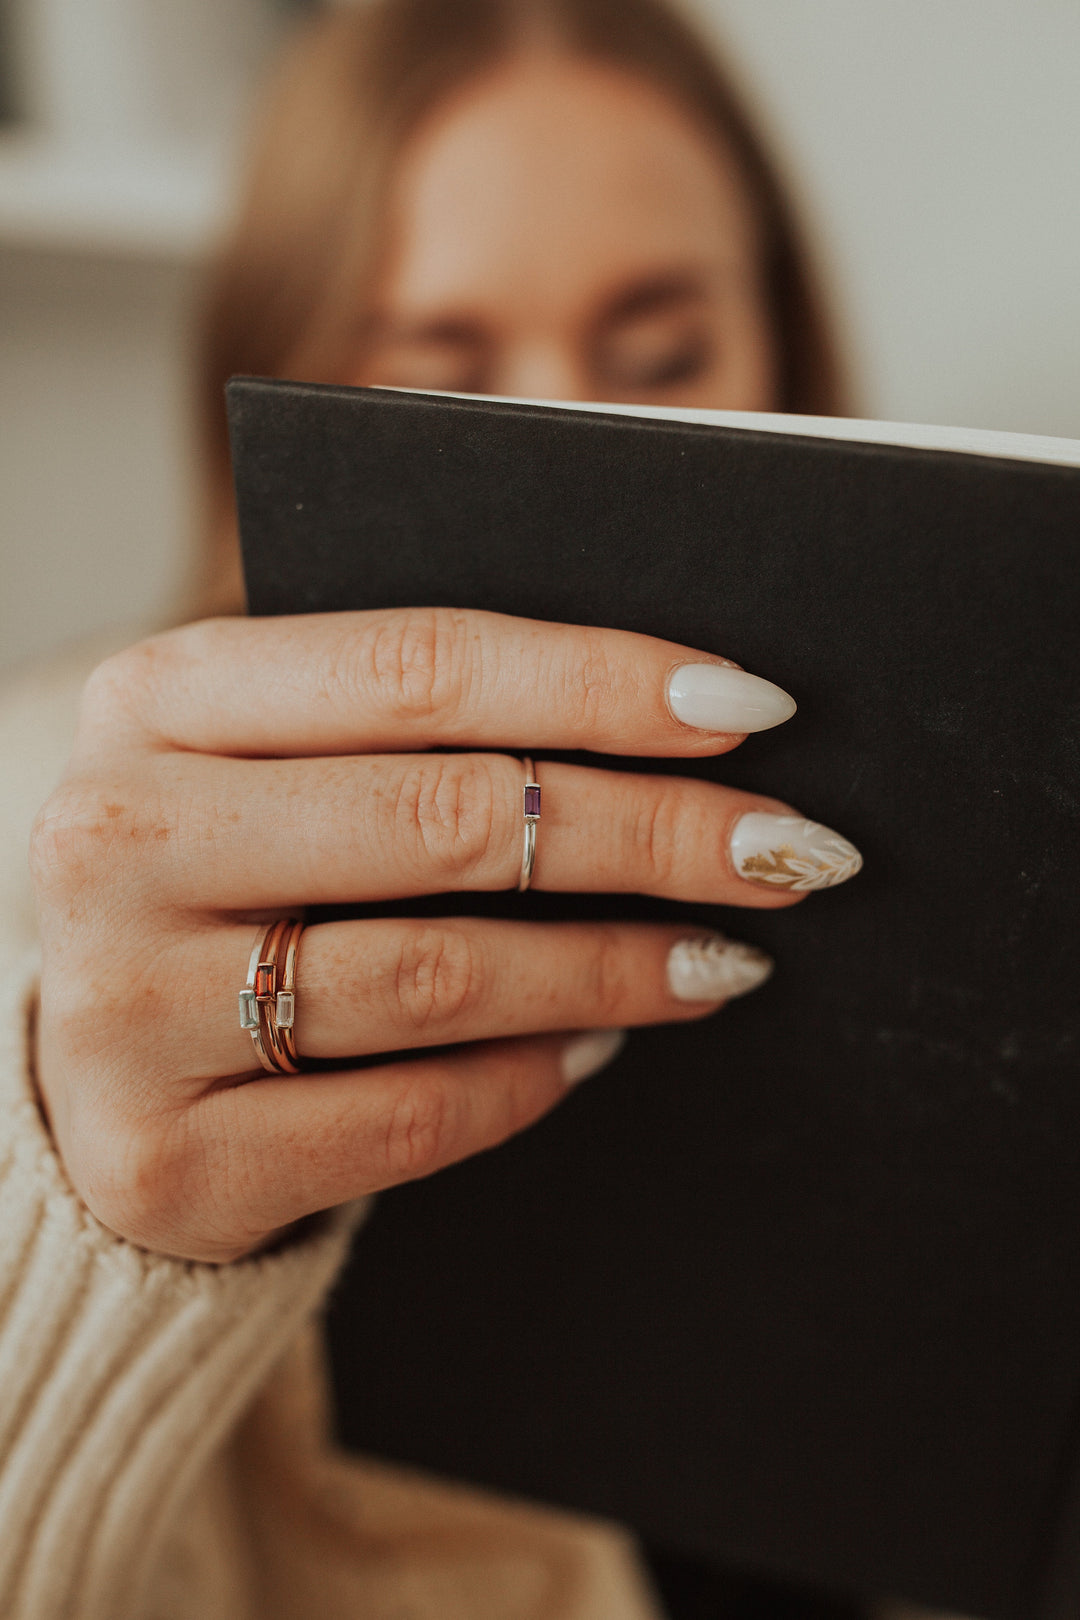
298, 1145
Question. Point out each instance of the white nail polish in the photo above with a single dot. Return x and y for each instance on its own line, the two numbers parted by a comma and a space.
712, 968
589, 1053
787, 852
715, 697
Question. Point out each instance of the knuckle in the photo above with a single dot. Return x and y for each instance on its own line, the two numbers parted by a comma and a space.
96, 1017
107, 694
608, 978
419, 1128
440, 978
158, 1184
417, 664
70, 834
449, 803
133, 690
84, 830
655, 835
596, 683
122, 1172
58, 843
117, 690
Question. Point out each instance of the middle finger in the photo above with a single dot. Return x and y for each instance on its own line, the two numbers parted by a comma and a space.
307, 832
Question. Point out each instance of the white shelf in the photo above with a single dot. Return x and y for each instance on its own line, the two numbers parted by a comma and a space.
159, 203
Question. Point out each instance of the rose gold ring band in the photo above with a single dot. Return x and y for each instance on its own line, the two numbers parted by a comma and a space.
268, 1000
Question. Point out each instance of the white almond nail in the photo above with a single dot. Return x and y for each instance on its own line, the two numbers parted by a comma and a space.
787, 852
589, 1053
712, 968
715, 697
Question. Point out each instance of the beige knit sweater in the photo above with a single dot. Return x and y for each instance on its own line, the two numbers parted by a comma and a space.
164, 1450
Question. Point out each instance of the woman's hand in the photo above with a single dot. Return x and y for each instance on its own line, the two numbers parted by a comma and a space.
239, 769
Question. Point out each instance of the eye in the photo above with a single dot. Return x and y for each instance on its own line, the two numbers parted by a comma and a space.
657, 350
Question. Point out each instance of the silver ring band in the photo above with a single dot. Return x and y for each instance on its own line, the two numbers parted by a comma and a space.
531, 812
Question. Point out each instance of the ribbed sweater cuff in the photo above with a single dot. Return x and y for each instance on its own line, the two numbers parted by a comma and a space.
121, 1372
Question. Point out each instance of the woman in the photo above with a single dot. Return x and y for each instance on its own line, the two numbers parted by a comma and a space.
556, 198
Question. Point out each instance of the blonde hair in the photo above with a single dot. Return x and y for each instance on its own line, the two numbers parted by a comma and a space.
286, 295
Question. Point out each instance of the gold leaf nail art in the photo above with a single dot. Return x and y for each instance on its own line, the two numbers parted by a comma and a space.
810, 857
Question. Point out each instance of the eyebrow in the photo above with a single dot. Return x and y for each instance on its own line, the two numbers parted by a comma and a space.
649, 295
457, 331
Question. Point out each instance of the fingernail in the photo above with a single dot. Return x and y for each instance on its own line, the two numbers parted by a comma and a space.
588, 1054
712, 968
715, 697
786, 852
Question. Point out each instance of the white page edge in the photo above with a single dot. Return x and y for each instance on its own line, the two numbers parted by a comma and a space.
908, 435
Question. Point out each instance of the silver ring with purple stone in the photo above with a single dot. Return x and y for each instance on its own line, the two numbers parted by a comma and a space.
531, 810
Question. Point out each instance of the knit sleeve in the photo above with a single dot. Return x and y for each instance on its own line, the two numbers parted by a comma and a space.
122, 1373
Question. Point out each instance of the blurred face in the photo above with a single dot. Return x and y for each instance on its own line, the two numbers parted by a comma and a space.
561, 230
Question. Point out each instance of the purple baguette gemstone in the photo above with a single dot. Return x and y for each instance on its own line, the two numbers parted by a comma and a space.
532, 800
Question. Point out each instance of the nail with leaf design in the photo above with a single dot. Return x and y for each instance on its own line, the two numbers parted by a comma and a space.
788, 852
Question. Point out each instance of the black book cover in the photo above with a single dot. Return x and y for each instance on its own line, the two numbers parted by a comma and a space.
796, 1288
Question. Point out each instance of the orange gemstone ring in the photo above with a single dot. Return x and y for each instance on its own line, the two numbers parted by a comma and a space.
268, 1000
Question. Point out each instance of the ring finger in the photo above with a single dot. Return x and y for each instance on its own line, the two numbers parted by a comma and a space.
395, 984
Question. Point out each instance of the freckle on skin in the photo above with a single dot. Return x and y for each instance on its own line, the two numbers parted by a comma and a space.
114, 810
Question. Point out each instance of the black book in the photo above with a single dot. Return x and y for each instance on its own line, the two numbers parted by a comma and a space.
796, 1288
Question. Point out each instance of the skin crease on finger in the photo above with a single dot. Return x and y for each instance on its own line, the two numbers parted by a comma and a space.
631, 274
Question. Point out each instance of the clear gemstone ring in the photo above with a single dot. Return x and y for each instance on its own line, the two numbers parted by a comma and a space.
268, 999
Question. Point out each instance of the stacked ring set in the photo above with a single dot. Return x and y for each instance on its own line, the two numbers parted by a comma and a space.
268, 1000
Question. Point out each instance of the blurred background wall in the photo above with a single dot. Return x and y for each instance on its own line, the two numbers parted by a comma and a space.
937, 148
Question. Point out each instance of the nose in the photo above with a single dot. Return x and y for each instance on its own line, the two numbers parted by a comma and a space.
543, 369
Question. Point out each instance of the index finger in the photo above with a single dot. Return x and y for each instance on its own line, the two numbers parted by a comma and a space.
410, 679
